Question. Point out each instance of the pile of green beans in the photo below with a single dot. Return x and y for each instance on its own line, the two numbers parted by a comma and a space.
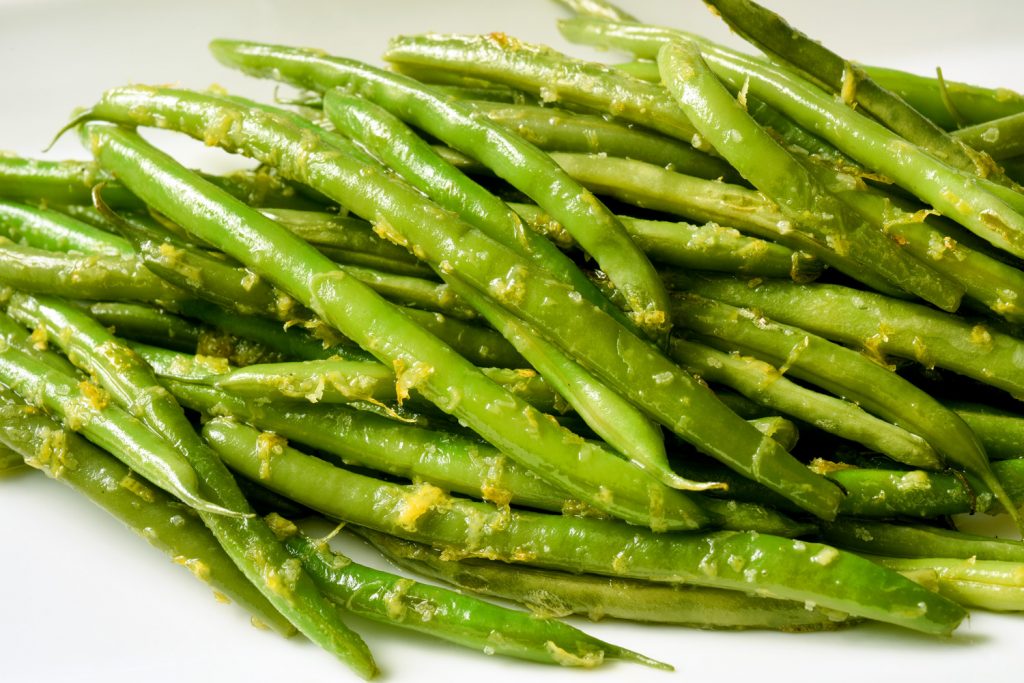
457, 312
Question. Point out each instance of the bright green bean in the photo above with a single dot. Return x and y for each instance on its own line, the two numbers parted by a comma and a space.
782, 568
442, 613
552, 593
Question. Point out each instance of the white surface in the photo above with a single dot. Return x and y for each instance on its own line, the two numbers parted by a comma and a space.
81, 599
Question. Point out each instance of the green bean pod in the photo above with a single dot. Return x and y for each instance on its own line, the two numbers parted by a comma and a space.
445, 614
83, 407
54, 231
549, 592
147, 324
987, 584
763, 383
780, 568
905, 540
702, 247
1002, 138
558, 130
96, 278
551, 75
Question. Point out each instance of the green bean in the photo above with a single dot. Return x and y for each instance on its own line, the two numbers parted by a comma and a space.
801, 197
812, 60
764, 384
419, 454
552, 593
330, 381
988, 584
97, 278
57, 182
613, 418
54, 231
913, 540
1001, 138
71, 182
32, 343
419, 358
550, 75
145, 324
879, 493
558, 130
251, 544
593, 225
164, 522
881, 326
846, 373
781, 568
441, 613
705, 247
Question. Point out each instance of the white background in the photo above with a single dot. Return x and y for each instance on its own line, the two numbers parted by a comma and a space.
83, 600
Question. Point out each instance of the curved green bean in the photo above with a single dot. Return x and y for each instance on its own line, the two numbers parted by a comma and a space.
442, 613
549, 592
781, 568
